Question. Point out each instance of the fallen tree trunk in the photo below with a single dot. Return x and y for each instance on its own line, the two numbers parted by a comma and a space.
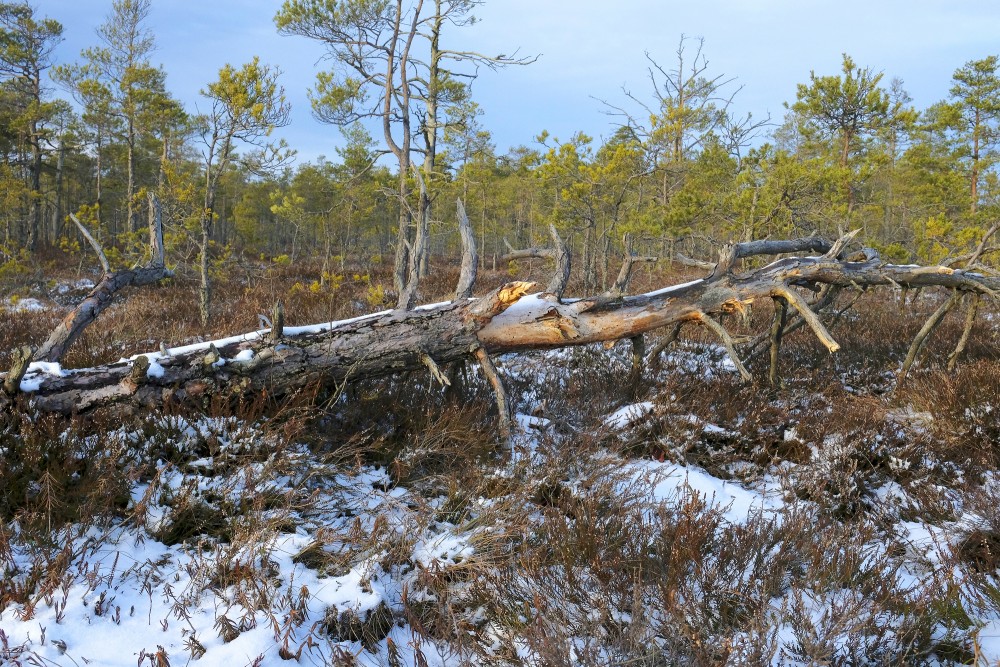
506, 320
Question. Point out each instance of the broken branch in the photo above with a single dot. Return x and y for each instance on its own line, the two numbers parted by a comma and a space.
98, 248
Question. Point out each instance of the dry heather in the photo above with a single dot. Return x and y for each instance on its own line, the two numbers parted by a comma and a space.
839, 520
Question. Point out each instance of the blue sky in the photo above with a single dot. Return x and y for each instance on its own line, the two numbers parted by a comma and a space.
588, 49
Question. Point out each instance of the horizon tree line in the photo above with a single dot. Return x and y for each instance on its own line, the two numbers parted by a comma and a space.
680, 171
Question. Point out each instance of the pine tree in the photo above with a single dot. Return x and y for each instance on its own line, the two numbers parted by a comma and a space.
26, 47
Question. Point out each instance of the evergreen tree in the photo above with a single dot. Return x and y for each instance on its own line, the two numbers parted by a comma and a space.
26, 47
246, 105
976, 92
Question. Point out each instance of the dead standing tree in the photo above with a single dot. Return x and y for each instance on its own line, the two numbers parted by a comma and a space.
506, 320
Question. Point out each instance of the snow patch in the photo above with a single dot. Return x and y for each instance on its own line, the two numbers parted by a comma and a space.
155, 370
28, 305
628, 415
37, 372
674, 288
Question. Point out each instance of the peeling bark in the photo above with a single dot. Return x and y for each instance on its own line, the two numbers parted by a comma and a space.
506, 320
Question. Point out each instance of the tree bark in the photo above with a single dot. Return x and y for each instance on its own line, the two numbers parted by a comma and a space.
72, 326
504, 321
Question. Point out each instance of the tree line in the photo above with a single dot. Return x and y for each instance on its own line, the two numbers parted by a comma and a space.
679, 172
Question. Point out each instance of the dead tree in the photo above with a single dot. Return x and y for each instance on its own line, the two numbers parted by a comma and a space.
113, 282
510, 319
559, 253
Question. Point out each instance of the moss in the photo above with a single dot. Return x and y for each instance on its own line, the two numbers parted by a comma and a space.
981, 550
194, 519
315, 556
370, 627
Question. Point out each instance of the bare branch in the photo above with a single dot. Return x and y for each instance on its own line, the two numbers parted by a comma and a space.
663, 344
628, 262
557, 285
392, 342
277, 323
840, 244
932, 323
981, 248
499, 391
101, 257
694, 263
436, 373
810, 317
638, 344
560, 252
727, 342
970, 320
22, 359
777, 327
156, 231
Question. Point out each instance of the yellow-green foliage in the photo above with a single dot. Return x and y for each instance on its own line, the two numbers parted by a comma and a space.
934, 237
14, 264
375, 294
893, 252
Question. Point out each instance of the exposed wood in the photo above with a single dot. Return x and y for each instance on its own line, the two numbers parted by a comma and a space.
506, 320
497, 301
470, 260
499, 391
932, 323
22, 358
435, 371
825, 299
810, 317
970, 320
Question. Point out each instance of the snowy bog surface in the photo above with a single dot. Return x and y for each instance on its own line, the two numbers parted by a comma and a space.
128, 598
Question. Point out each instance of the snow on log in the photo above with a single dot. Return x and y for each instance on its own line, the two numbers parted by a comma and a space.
506, 320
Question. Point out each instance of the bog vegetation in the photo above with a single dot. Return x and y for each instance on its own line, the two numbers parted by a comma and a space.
659, 511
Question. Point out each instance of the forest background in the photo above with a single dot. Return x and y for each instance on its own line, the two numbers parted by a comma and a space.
680, 169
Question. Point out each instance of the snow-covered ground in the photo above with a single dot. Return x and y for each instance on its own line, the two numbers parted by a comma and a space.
26, 305
324, 561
